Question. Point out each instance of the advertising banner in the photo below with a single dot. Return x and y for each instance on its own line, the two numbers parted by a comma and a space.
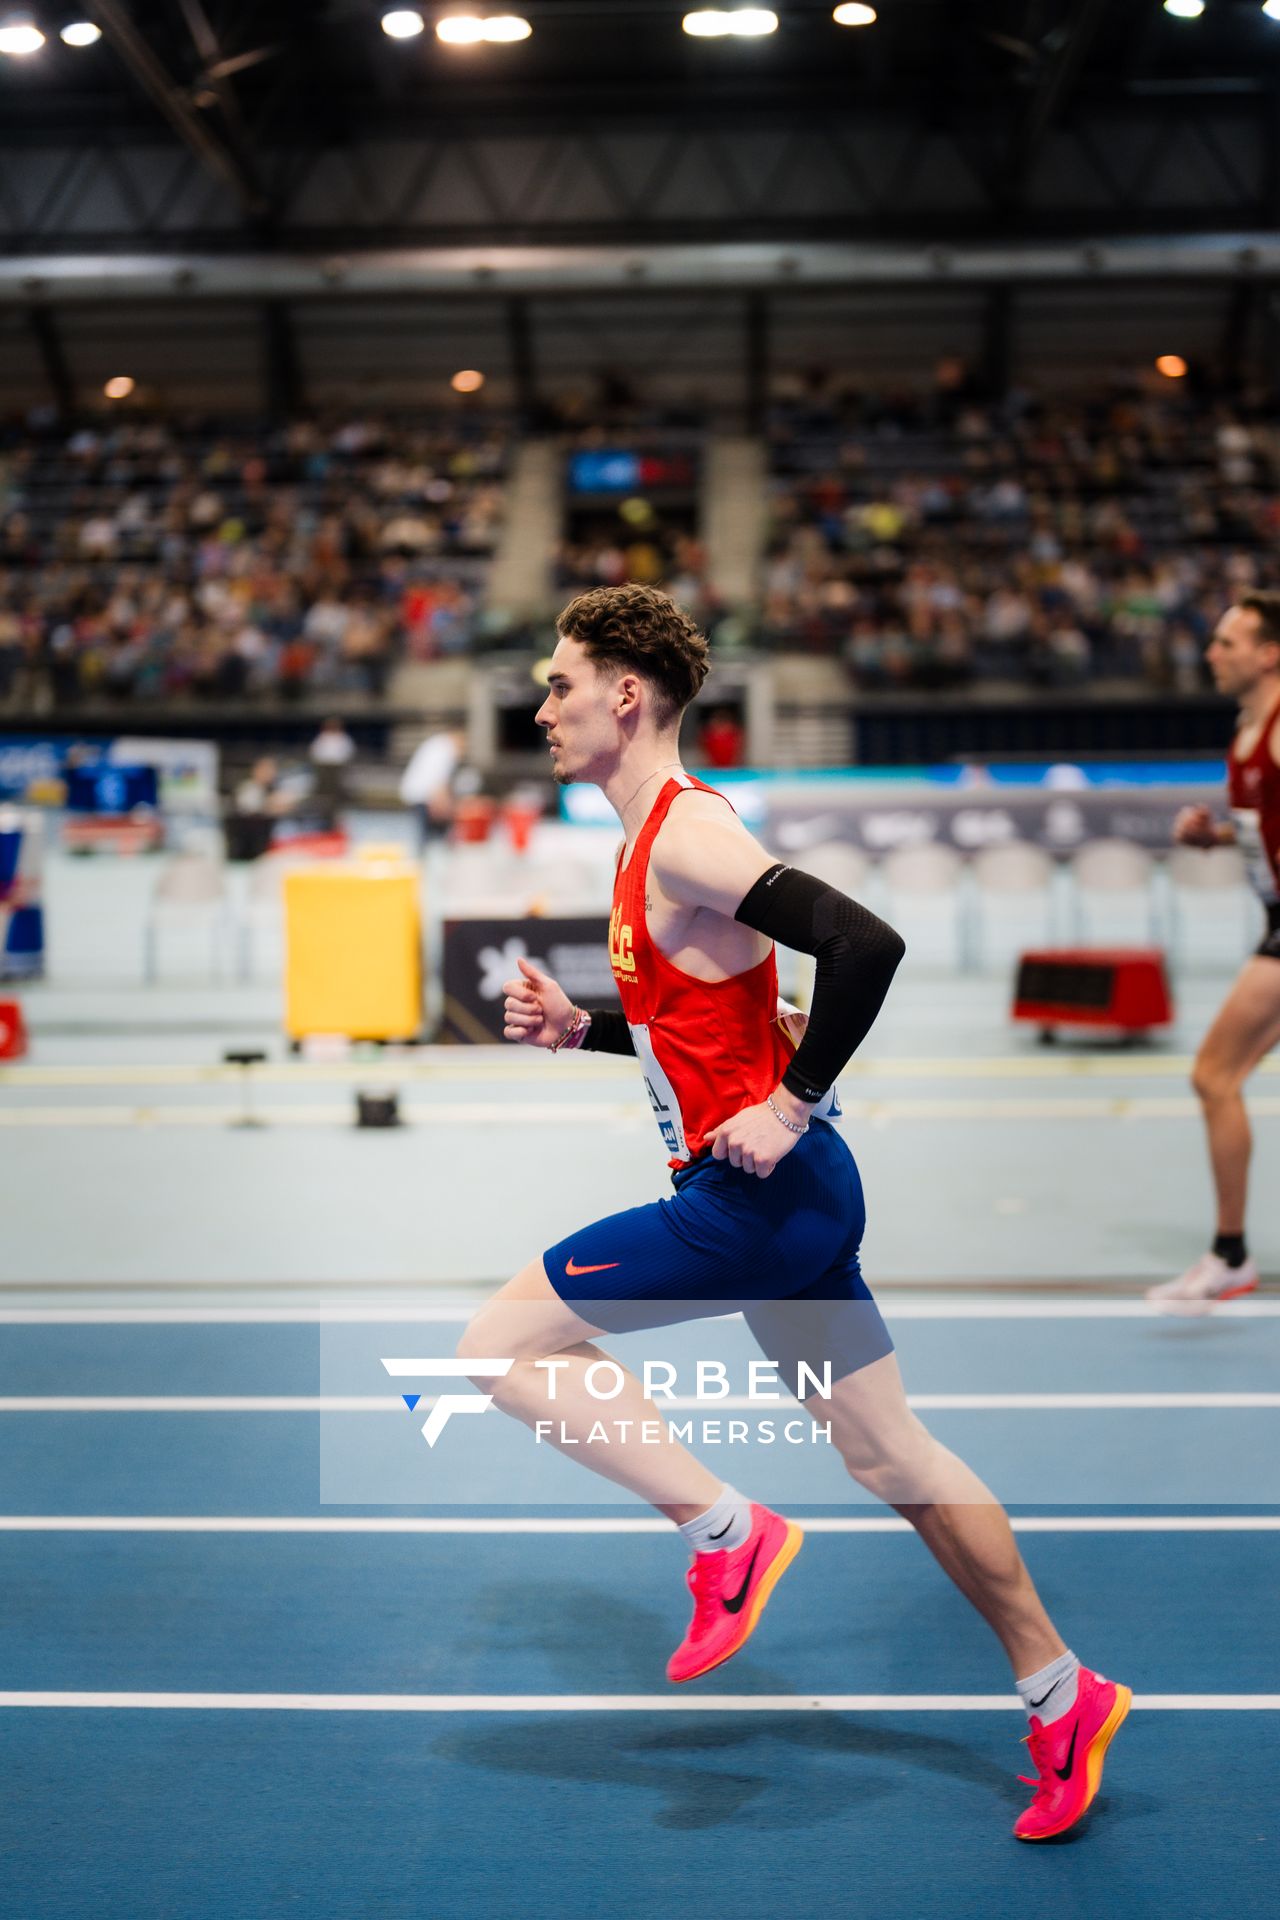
40, 769
881, 820
479, 955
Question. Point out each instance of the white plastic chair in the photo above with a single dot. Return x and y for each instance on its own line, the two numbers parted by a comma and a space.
1113, 893
924, 897
838, 864
261, 910
1209, 890
189, 895
1012, 886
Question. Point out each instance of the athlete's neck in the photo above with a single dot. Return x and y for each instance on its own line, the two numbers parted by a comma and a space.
1260, 700
638, 780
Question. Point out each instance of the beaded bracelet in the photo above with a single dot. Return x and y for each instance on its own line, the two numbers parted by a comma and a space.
574, 1033
778, 1114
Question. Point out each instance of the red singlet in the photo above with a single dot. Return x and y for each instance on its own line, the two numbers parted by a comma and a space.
708, 1048
1253, 794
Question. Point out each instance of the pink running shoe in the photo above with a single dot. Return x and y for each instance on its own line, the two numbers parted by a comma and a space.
1069, 1754
730, 1590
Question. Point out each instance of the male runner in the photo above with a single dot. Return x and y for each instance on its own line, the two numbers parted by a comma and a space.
1244, 658
767, 1212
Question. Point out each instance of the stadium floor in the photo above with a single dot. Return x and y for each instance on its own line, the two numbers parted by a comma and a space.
220, 1693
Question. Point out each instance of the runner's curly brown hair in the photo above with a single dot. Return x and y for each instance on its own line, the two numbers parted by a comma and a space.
638, 628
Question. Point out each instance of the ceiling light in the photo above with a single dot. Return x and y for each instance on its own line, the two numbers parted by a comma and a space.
470, 380
80, 33
18, 38
713, 23
119, 387
1172, 366
469, 29
1184, 9
405, 23
1272, 9
854, 14
503, 28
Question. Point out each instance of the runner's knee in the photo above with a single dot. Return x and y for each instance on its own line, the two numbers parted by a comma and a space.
886, 1453
504, 1333
1212, 1079
482, 1339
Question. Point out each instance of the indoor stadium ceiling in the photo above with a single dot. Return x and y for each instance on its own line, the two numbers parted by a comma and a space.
213, 123
239, 199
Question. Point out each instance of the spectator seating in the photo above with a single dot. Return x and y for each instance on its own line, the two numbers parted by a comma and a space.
144, 561
1050, 545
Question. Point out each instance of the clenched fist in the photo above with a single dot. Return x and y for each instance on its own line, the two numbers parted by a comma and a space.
536, 1011
1196, 827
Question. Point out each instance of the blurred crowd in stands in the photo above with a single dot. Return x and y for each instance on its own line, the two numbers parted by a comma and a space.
654, 552
930, 547
145, 561
1046, 545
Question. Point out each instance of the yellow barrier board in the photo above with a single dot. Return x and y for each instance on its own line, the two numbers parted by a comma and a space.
353, 954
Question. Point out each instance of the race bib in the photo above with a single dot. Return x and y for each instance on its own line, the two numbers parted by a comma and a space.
662, 1096
1247, 822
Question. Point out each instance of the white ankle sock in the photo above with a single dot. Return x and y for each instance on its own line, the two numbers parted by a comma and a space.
724, 1525
1051, 1692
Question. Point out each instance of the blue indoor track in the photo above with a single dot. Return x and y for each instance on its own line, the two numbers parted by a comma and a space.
221, 1696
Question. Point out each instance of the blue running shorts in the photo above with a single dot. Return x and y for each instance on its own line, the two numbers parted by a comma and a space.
782, 1251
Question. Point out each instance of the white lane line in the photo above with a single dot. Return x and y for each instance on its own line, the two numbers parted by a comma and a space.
1080, 1402
1050, 1308
205, 1403
615, 1702
505, 1064
679, 1403
894, 1308
463, 1068
373, 1316
540, 1524
524, 1115
447, 1369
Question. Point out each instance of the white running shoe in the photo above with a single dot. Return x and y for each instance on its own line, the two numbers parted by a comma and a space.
1208, 1280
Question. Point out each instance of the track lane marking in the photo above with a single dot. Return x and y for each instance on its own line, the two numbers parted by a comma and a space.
894, 1308
498, 1064
611, 1702
537, 1524
678, 1403
622, 1113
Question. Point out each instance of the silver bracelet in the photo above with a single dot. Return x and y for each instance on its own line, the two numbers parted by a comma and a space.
778, 1114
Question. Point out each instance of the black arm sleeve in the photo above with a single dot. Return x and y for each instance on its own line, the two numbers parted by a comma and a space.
608, 1032
857, 957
